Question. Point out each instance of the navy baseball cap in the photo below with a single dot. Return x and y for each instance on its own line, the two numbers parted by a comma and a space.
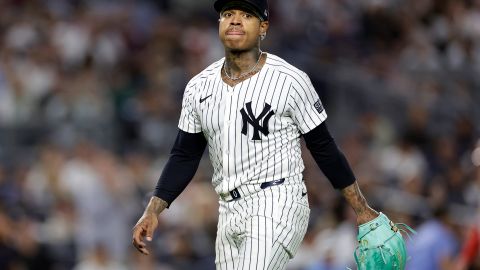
258, 7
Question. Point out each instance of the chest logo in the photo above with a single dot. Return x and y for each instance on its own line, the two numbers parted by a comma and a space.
249, 118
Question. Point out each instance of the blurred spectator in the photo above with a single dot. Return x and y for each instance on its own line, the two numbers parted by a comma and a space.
98, 259
435, 245
100, 193
469, 257
334, 246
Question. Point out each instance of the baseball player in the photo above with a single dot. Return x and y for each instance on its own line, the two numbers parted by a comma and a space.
251, 108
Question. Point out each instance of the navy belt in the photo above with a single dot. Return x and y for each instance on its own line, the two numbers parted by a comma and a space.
234, 194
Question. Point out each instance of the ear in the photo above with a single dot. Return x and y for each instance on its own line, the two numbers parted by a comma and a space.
264, 27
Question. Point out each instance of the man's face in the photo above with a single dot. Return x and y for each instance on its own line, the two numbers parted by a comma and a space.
239, 30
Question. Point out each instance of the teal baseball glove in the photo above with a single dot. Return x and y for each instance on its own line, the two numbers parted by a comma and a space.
381, 245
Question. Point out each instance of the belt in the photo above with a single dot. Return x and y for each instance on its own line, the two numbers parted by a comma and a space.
234, 194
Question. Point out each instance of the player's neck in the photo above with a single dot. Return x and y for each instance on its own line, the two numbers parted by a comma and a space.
239, 63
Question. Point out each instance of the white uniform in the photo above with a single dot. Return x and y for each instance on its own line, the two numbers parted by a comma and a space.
253, 132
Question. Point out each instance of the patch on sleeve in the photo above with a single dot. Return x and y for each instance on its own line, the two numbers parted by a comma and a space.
318, 106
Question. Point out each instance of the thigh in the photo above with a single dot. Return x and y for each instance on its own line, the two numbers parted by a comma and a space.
261, 254
256, 248
274, 230
280, 257
226, 248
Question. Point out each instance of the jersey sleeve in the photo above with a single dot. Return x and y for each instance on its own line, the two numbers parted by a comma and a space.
189, 118
306, 108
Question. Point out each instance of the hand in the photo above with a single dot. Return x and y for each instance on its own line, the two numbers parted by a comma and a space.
147, 224
144, 228
366, 215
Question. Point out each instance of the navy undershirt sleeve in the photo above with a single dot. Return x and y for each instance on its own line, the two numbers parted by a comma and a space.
328, 157
184, 158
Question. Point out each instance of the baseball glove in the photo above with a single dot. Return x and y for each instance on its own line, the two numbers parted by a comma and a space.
381, 245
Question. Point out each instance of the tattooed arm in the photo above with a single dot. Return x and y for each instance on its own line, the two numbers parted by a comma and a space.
357, 201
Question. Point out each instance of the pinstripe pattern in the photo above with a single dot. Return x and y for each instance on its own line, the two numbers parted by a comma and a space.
236, 158
262, 230
253, 132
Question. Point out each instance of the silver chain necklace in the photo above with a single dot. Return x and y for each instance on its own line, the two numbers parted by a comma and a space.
244, 73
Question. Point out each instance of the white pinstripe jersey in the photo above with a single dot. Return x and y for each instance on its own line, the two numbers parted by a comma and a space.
253, 129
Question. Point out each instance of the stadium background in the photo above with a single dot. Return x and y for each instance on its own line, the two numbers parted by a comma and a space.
90, 94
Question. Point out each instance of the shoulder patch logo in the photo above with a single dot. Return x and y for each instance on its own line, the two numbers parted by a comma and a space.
318, 106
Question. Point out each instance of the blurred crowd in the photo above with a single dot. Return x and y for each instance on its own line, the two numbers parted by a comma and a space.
90, 94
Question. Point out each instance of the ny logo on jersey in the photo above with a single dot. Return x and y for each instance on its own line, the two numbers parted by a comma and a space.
249, 117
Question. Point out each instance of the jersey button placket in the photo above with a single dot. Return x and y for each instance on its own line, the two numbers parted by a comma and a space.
226, 132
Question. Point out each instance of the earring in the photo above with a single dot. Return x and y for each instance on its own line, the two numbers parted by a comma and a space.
262, 36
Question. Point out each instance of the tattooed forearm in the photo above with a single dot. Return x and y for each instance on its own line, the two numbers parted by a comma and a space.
355, 198
156, 206
357, 201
